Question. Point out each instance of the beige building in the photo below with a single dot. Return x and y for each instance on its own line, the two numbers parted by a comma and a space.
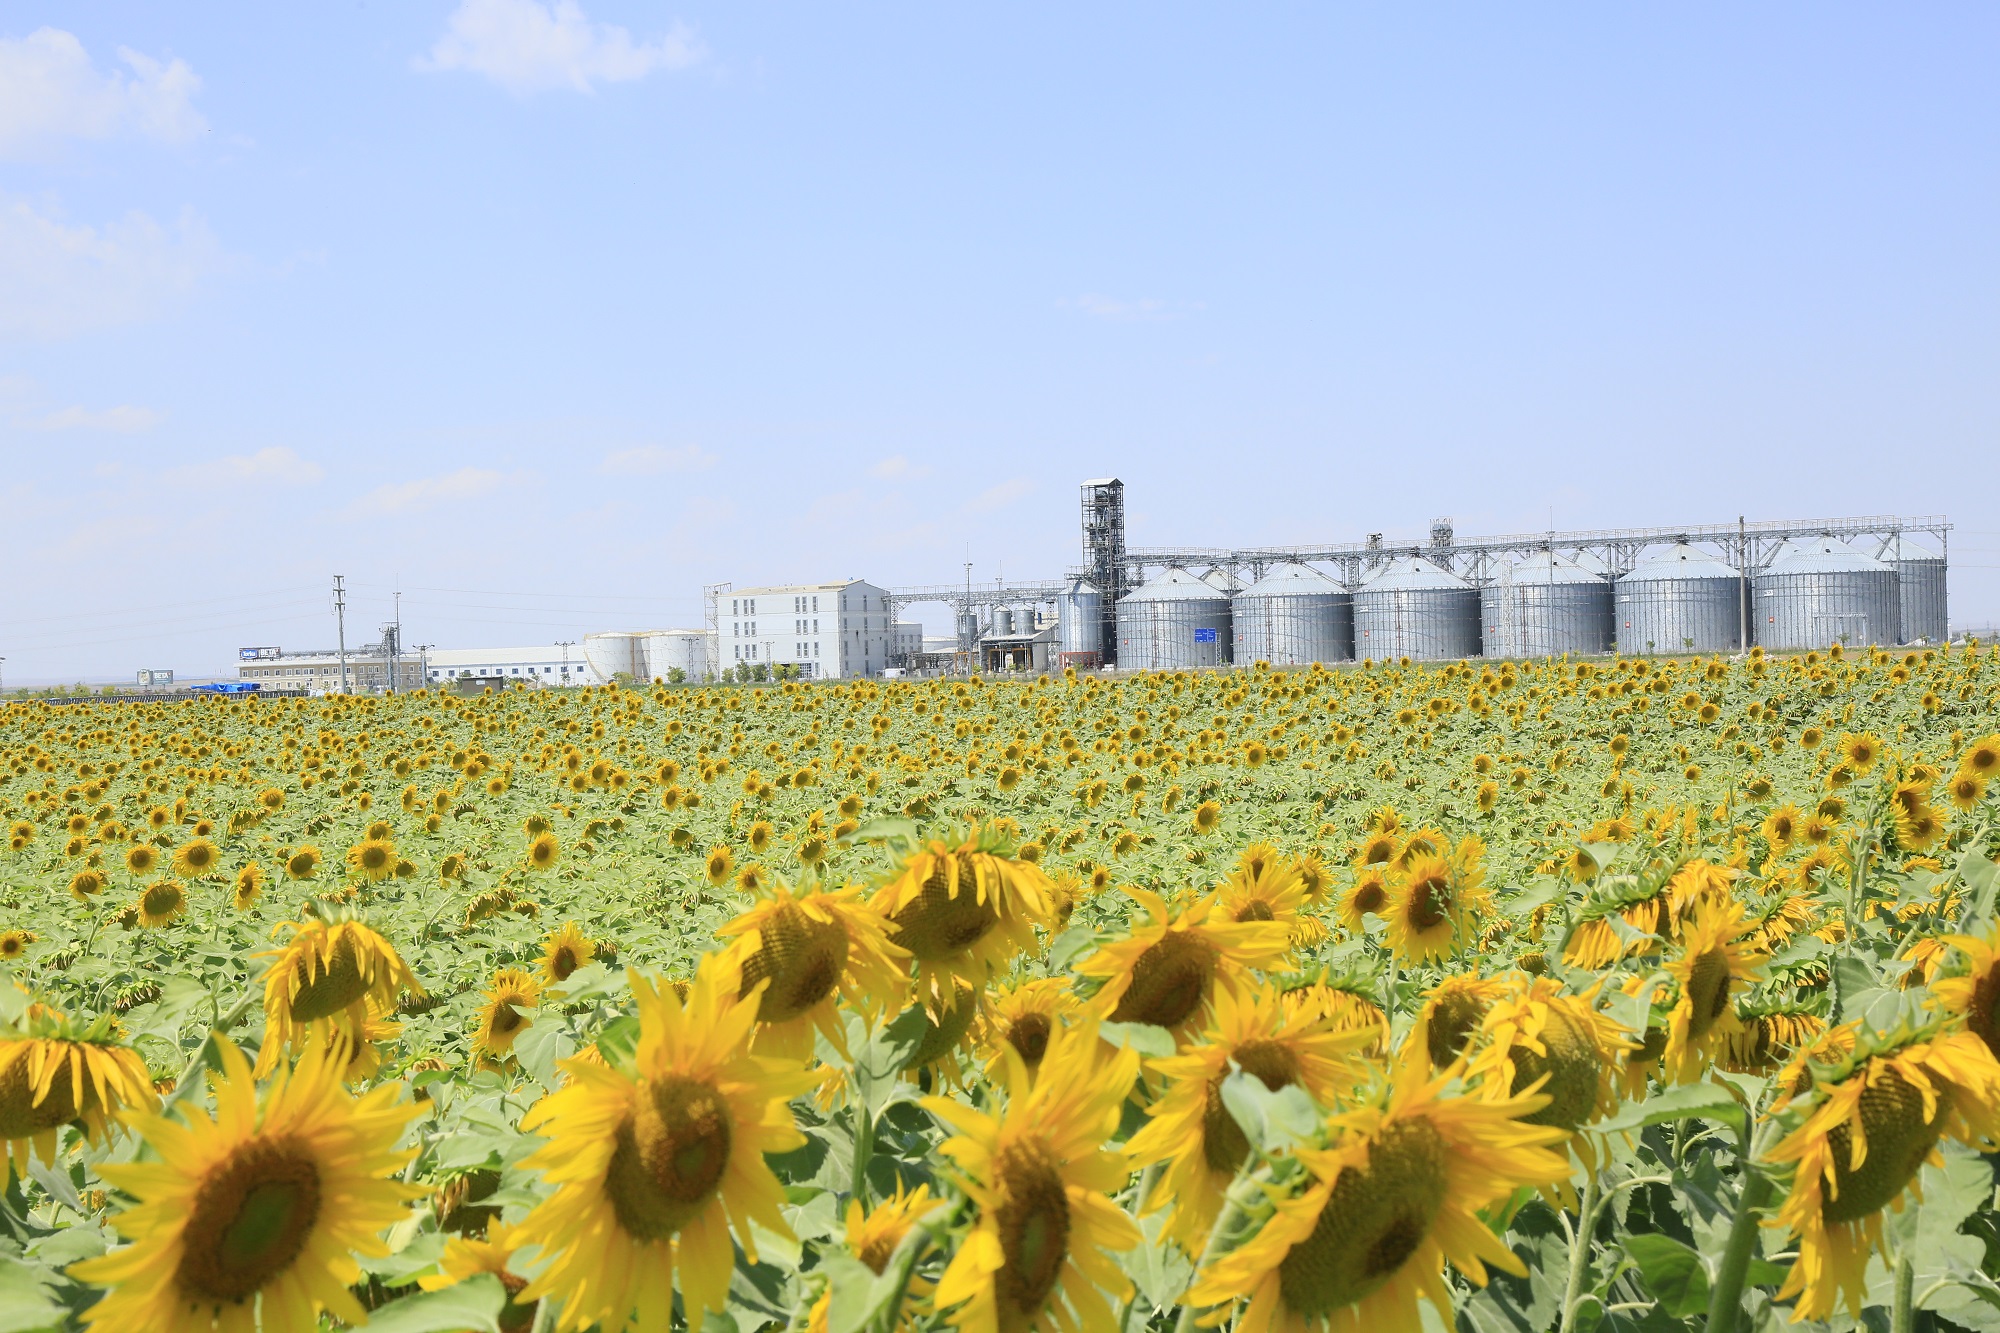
319, 673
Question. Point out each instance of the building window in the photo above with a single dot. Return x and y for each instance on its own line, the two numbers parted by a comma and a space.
815, 603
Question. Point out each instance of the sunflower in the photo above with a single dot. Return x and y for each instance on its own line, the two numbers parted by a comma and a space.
1191, 1130
1782, 827
1367, 896
653, 1158
54, 1074
543, 851
1982, 757
86, 884
1168, 967
1868, 1123
1973, 995
1041, 1177
162, 902
1714, 959
1207, 817
721, 864
1432, 904
374, 858
141, 857
263, 1206
322, 980
303, 863
801, 953
1860, 752
564, 951
1397, 1191
1966, 790
1538, 1039
249, 886
1265, 886
1342, 1003
964, 912
1452, 1011
1022, 1018
469, 1256
500, 1018
14, 944
197, 859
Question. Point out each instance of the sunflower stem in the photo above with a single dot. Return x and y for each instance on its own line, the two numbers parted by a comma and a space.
903, 1260
1902, 1312
222, 1026
1222, 1237
1579, 1249
864, 1141
1725, 1298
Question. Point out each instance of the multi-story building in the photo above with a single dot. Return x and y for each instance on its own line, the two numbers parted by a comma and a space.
827, 630
368, 672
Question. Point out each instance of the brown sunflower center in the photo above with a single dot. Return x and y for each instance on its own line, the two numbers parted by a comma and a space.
1255, 910
20, 1115
1573, 1069
1430, 900
1982, 1016
252, 1215
1454, 1017
1033, 1220
1899, 1139
1223, 1143
1708, 991
326, 990
938, 923
161, 899
563, 961
1029, 1034
801, 956
1369, 897
506, 1019
1169, 981
668, 1158
1373, 1221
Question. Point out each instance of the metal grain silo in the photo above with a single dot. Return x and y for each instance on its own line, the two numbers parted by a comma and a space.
1223, 580
1175, 622
1080, 618
1921, 596
1544, 606
1679, 601
1293, 616
1822, 592
1412, 608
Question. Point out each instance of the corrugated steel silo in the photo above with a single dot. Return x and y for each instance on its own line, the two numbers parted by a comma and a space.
1822, 592
1175, 622
1412, 608
1003, 621
1080, 618
1223, 580
1544, 606
1293, 616
1922, 606
1679, 601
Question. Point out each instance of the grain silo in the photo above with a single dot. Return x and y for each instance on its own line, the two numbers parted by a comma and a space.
1822, 592
1223, 580
688, 650
1544, 606
1921, 589
1412, 608
1293, 616
1679, 601
1080, 619
1175, 622
615, 653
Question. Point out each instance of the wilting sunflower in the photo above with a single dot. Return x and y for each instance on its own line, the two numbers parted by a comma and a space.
1024, 1017
1869, 1123
55, 1073
373, 858
322, 980
1168, 966
1714, 960
1041, 1177
809, 951
964, 912
564, 952
1539, 1039
1342, 1002
1192, 1131
1452, 1011
249, 886
197, 859
1769, 1036
500, 1018
1396, 1192
653, 1159
162, 902
873, 1236
263, 1206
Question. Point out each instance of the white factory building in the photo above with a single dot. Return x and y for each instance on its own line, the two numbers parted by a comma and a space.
827, 630
542, 664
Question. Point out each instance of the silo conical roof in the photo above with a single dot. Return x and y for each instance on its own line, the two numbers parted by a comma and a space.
1222, 580
1292, 581
1821, 555
1679, 562
1548, 567
1412, 573
1176, 585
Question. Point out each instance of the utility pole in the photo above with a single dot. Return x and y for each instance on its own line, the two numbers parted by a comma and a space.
396, 662
968, 620
1742, 586
340, 614
565, 645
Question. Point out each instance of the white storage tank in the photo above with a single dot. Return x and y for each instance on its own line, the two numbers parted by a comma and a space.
1679, 601
687, 649
1817, 593
1413, 608
1293, 616
1173, 623
612, 653
1544, 606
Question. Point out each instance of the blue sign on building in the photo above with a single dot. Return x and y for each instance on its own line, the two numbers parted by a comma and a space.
1204, 636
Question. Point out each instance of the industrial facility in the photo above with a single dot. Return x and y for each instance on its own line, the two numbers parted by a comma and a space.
1699, 589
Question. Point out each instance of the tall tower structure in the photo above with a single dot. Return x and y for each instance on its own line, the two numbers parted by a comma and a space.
1104, 553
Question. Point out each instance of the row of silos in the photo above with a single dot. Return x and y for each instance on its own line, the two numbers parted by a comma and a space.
1681, 599
646, 655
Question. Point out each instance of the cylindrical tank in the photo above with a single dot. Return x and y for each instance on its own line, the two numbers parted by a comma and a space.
1413, 608
1223, 581
1175, 622
1678, 601
1817, 593
1080, 618
616, 652
1293, 616
968, 627
686, 649
1544, 606
1003, 620
1921, 591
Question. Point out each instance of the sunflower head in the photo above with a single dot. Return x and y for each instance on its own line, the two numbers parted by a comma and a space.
326, 978
964, 906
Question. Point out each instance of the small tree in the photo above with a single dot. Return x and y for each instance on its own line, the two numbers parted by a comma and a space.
676, 676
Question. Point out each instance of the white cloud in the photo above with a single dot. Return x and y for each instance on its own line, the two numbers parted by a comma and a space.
58, 280
118, 420
651, 460
1099, 306
525, 46
275, 466
999, 497
403, 497
895, 467
50, 91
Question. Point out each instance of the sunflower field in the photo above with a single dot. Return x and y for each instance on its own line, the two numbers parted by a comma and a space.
1567, 995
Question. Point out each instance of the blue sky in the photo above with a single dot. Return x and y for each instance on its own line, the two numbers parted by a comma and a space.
550, 314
